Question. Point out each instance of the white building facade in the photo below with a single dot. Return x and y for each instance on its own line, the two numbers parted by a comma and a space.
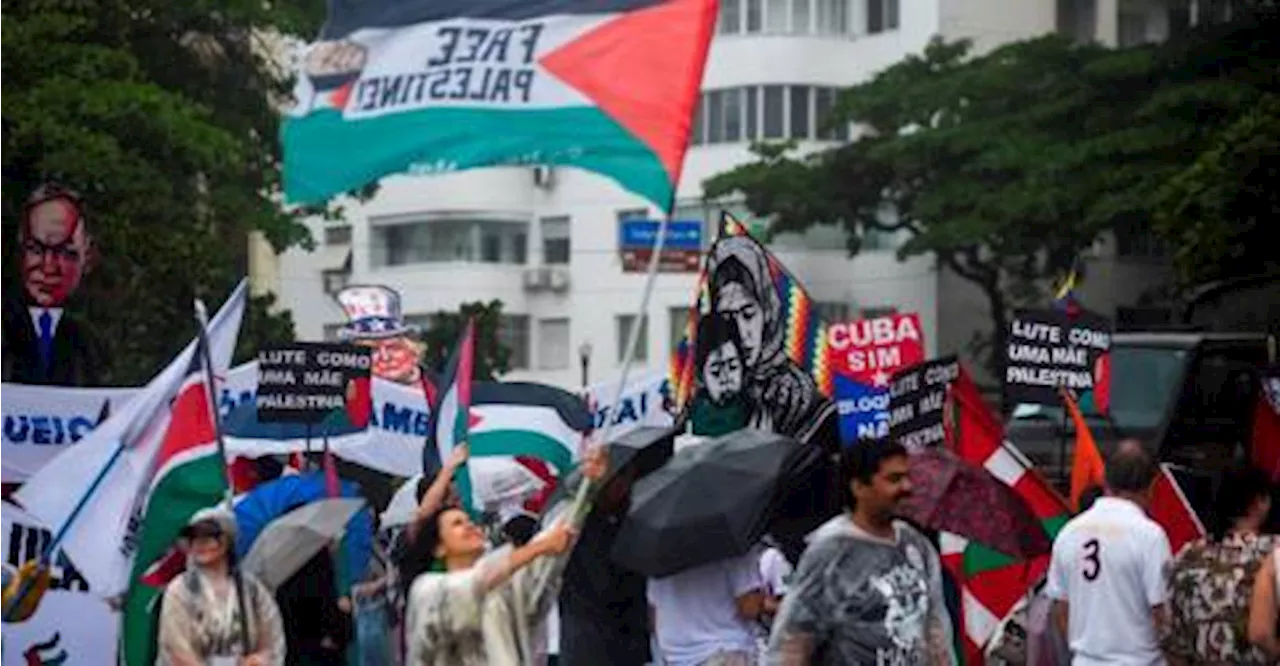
546, 243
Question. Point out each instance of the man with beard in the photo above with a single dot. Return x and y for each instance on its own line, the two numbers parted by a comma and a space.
42, 343
869, 589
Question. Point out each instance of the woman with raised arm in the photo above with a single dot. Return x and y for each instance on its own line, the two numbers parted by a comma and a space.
471, 608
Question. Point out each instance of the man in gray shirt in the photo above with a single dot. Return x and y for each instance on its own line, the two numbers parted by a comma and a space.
868, 590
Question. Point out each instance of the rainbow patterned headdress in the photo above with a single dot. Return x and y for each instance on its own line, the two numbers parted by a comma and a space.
805, 337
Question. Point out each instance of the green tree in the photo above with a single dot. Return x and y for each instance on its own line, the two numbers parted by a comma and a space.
492, 358
165, 116
1004, 166
1216, 209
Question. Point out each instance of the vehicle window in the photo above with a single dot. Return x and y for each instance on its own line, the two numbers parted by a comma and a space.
1144, 382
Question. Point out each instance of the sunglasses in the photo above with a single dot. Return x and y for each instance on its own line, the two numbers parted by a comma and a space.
203, 531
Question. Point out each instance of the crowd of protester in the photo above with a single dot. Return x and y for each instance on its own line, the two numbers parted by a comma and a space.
869, 588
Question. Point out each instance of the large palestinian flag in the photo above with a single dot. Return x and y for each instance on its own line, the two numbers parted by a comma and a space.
427, 86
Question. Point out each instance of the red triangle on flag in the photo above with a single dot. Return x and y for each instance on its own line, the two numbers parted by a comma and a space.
644, 70
473, 419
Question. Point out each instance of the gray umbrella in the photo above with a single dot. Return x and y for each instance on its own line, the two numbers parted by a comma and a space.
290, 541
711, 501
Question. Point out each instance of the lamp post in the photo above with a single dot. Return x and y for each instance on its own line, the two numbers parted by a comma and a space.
584, 358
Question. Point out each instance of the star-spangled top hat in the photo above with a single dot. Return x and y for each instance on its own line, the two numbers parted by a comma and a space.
373, 312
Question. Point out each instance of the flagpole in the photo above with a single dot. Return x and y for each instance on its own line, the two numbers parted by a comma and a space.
579, 508
206, 357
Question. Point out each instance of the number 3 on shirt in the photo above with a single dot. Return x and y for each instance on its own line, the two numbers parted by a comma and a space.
1092, 565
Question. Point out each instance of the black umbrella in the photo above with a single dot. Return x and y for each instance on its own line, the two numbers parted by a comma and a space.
712, 501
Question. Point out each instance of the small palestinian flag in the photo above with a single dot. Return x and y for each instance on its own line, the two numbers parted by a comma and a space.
430, 86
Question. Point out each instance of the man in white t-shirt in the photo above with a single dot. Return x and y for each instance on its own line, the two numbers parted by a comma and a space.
707, 615
1107, 575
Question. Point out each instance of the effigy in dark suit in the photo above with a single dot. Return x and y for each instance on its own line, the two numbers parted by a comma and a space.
43, 343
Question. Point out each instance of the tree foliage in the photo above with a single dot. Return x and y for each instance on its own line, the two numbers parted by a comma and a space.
1006, 166
165, 117
1216, 210
492, 357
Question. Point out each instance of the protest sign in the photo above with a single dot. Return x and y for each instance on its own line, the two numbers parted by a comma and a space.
917, 398
72, 625
303, 382
645, 402
863, 356
41, 421
1049, 349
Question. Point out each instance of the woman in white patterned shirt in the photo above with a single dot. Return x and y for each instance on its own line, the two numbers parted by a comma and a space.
473, 608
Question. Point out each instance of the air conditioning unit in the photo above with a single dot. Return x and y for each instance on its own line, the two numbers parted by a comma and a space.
535, 279
544, 177
558, 280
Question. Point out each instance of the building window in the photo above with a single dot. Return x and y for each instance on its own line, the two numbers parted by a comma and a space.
624, 333
513, 333
800, 112
825, 125
730, 18
786, 112
753, 15
882, 15
697, 135
878, 311
331, 332
338, 234
715, 116
335, 280
776, 15
774, 128
553, 344
800, 17
678, 320
555, 240
438, 241
833, 16
833, 312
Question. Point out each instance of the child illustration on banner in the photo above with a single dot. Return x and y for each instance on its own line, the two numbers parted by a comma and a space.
43, 343
743, 293
720, 405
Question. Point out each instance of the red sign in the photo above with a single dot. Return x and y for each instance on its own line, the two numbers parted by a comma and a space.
671, 261
869, 351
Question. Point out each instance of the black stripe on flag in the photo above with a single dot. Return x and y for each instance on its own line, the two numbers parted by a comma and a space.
348, 16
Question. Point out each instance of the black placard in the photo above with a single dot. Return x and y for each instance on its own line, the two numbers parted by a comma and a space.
1048, 349
303, 382
917, 396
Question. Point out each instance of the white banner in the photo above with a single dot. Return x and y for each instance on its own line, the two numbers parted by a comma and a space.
644, 403
39, 421
72, 626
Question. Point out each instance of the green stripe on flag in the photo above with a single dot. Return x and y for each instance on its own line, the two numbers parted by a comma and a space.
327, 155
523, 443
182, 491
513, 443
979, 558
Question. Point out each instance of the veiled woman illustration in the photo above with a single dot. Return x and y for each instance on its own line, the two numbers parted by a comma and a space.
743, 293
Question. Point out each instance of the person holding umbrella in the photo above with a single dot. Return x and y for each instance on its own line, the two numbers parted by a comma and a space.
868, 590
471, 608
204, 619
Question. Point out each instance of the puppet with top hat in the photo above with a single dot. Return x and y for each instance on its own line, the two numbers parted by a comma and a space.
375, 320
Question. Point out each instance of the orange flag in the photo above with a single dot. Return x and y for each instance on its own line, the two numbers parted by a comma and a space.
1087, 468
